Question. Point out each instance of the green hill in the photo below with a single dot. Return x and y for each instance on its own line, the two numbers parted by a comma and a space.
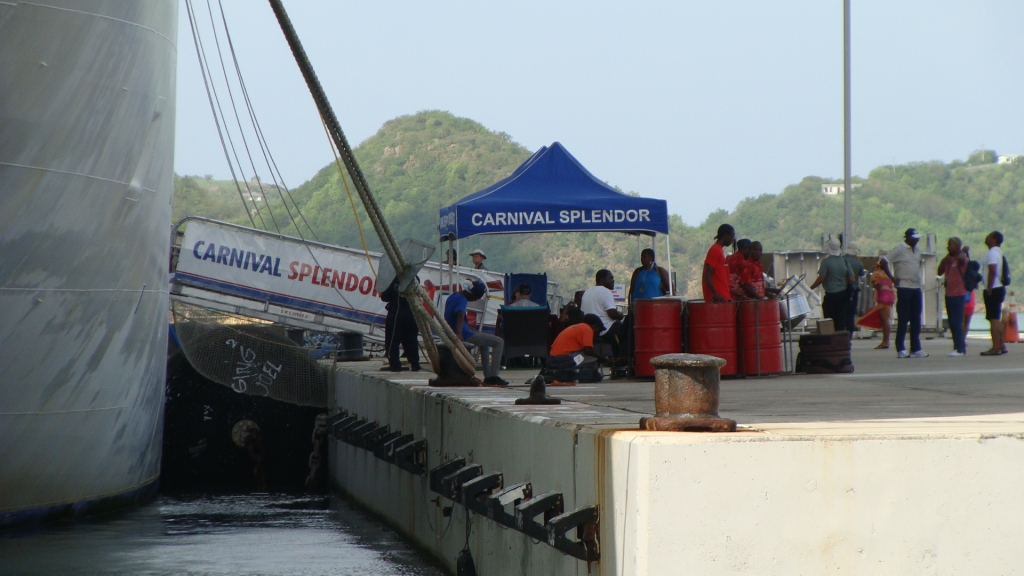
419, 163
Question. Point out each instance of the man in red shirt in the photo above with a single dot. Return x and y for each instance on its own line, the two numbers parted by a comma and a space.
716, 271
737, 262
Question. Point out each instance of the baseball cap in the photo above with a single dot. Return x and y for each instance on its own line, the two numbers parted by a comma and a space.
911, 233
478, 288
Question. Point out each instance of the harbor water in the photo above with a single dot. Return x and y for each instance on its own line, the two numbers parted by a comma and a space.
228, 535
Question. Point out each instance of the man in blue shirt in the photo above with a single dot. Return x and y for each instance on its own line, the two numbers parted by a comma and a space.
491, 347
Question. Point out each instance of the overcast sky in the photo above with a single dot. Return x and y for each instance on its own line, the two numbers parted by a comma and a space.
700, 103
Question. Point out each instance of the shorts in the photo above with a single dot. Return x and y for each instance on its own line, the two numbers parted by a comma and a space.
994, 303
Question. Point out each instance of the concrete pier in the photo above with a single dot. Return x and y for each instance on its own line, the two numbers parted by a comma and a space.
903, 467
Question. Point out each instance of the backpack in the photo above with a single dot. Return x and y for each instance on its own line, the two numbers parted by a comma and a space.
1005, 278
972, 278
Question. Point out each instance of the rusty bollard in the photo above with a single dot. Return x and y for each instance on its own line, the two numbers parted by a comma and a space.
686, 395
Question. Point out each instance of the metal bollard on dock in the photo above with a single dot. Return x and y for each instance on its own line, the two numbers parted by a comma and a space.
686, 392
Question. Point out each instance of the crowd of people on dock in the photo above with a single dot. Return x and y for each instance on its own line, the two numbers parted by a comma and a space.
593, 317
896, 279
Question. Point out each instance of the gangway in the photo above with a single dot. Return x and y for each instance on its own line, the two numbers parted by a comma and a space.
299, 283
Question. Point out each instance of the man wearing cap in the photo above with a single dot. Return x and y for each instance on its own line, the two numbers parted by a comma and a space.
478, 257
905, 274
491, 347
834, 276
715, 279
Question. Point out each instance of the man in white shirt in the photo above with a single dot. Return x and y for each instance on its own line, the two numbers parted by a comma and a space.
994, 293
599, 301
906, 276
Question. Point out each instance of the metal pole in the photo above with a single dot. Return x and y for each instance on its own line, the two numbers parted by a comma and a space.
847, 225
668, 251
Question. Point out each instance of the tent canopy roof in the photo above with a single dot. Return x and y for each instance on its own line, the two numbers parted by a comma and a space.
552, 192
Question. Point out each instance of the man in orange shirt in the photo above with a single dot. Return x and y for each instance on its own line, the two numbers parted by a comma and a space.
574, 341
716, 271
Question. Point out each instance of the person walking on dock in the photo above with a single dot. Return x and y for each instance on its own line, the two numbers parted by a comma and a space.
995, 292
905, 260
954, 268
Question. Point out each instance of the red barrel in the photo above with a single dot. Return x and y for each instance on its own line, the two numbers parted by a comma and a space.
760, 339
711, 330
657, 330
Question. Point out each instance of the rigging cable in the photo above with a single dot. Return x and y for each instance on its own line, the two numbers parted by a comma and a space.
220, 134
261, 139
201, 53
238, 121
341, 173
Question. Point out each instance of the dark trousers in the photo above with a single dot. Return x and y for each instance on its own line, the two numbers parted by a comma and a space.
616, 336
955, 313
852, 301
401, 329
909, 303
835, 305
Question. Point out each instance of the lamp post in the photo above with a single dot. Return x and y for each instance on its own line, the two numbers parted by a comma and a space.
847, 225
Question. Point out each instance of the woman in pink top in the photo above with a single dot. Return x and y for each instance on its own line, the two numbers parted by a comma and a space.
953, 266
880, 315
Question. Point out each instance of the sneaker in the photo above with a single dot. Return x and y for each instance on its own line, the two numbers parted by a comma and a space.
902, 354
495, 381
955, 354
919, 354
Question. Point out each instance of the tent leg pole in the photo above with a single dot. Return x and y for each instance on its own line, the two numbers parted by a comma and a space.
668, 251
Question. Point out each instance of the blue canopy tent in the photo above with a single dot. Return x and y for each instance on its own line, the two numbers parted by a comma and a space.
552, 192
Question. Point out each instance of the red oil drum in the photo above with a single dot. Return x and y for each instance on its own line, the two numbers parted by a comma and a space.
657, 330
711, 330
760, 339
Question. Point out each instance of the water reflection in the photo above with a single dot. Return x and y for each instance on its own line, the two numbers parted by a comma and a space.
228, 535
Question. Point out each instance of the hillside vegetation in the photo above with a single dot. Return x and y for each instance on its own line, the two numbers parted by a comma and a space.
419, 163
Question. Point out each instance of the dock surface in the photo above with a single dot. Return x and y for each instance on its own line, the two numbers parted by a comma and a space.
904, 466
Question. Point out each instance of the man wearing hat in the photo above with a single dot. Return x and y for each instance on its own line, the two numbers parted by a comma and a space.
905, 260
491, 347
834, 276
478, 257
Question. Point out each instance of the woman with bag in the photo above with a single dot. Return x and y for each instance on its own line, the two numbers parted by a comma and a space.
953, 267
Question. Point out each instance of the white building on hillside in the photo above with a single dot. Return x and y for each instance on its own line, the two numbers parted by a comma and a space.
836, 189
1007, 158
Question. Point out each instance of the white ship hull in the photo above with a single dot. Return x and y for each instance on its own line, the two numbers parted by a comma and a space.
86, 173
